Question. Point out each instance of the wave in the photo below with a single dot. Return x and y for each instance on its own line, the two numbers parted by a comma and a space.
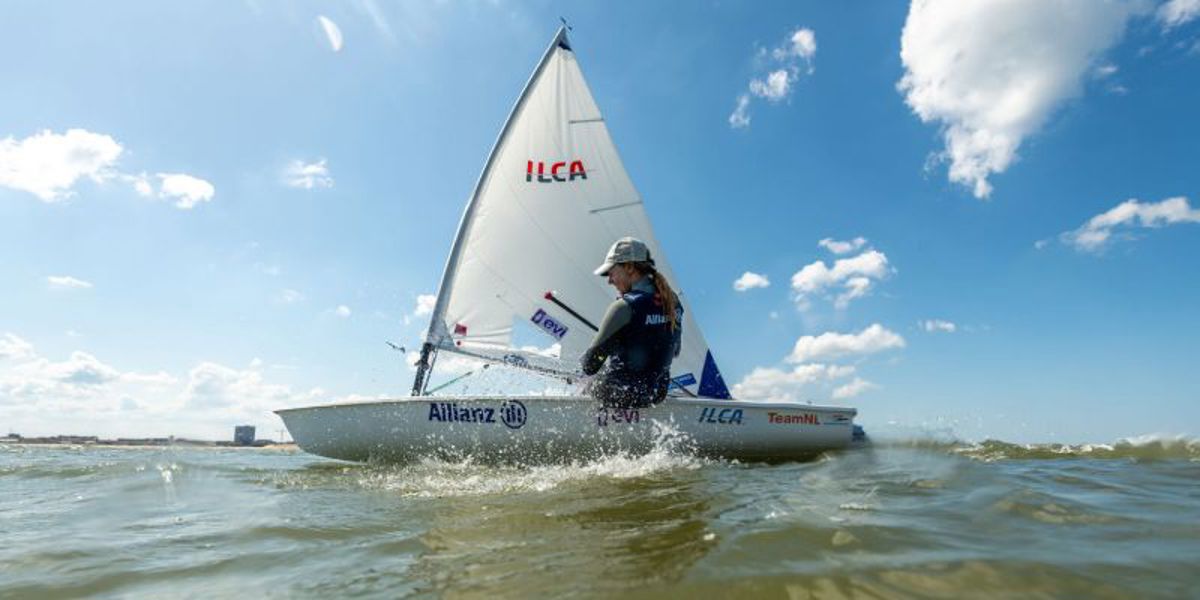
1144, 447
672, 452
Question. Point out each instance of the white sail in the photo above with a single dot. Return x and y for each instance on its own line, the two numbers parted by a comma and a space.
552, 198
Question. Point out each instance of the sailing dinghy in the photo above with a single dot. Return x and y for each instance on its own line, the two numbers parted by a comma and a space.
552, 197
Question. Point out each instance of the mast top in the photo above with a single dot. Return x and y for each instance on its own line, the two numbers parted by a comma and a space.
560, 39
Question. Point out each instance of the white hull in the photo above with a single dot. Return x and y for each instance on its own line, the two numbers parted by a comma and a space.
541, 429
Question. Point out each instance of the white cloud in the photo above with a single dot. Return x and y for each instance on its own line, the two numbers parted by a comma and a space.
1105, 71
88, 396
48, 164
13, 347
750, 280
774, 88
214, 386
342, 311
842, 247
188, 191
332, 33
803, 45
853, 389
938, 325
141, 184
779, 385
740, 118
991, 72
779, 82
425, 305
299, 174
66, 282
289, 296
874, 338
855, 276
1178, 12
1095, 235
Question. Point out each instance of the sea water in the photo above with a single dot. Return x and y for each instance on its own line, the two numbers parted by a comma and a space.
914, 518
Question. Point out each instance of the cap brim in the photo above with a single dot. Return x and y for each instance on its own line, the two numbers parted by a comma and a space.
603, 269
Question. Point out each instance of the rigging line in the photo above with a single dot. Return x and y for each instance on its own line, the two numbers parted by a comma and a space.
614, 207
568, 376
455, 380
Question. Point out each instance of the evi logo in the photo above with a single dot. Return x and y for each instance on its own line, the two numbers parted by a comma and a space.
558, 171
547, 323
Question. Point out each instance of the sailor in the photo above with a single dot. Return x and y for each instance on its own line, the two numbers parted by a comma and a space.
640, 333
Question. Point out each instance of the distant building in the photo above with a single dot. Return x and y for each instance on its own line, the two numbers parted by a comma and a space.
243, 435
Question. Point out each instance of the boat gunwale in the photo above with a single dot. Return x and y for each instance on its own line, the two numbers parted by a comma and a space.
580, 399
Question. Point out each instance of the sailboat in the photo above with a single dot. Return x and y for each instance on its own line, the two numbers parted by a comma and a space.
552, 197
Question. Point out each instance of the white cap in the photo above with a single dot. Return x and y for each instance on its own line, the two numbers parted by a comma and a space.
625, 250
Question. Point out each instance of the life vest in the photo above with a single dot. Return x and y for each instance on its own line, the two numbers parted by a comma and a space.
646, 345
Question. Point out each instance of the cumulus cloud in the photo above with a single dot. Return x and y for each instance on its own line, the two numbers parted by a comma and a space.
299, 174
780, 385
30, 378
875, 338
991, 72
425, 305
852, 389
774, 87
13, 347
333, 34
48, 164
854, 277
88, 395
187, 191
66, 282
342, 311
750, 280
778, 82
803, 45
1178, 12
1098, 232
842, 247
938, 325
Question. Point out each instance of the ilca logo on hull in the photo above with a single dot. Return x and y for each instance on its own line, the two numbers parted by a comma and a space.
724, 416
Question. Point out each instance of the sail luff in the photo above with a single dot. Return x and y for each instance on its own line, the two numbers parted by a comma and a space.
436, 332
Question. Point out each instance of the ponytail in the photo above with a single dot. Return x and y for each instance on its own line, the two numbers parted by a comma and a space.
662, 289
665, 292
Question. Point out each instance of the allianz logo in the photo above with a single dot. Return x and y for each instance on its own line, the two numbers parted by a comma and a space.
723, 416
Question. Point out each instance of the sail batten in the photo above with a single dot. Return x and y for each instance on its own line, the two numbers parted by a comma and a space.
553, 195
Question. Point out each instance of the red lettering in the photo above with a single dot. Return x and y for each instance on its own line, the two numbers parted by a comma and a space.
577, 170
800, 419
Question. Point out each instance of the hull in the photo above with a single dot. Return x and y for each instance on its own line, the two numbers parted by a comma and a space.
546, 429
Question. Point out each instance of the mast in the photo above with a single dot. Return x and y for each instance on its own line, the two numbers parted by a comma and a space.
437, 327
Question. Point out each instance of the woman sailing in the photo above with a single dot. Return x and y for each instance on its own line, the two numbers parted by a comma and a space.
640, 335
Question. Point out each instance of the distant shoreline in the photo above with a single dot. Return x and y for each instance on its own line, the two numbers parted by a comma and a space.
167, 442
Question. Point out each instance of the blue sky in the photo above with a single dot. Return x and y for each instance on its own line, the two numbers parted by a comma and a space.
209, 211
